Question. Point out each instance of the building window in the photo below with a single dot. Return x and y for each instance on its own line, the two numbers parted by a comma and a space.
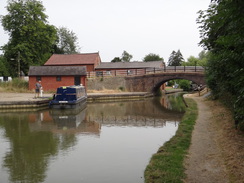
58, 78
129, 72
38, 78
108, 72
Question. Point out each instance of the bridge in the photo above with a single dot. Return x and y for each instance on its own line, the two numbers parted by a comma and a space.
152, 81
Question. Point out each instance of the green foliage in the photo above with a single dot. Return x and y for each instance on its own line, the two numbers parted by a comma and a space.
126, 57
201, 60
121, 88
116, 59
221, 28
170, 83
175, 59
185, 84
67, 42
3, 67
30, 34
152, 57
16, 85
167, 165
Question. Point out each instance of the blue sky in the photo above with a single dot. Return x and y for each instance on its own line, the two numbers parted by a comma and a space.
139, 27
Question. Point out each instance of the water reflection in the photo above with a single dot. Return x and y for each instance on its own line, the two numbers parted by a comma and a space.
36, 140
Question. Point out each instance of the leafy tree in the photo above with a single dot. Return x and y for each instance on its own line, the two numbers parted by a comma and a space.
221, 29
185, 84
152, 57
175, 58
126, 57
3, 67
116, 59
201, 60
30, 34
67, 41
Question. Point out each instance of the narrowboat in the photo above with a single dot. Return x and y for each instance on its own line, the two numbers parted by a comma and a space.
68, 97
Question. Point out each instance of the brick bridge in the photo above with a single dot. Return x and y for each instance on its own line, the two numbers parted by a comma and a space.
152, 82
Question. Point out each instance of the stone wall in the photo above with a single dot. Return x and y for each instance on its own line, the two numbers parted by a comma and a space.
109, 83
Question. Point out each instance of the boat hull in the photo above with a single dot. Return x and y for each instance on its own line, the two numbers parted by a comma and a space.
68, 104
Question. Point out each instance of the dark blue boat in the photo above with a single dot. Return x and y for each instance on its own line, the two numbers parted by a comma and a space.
68, 97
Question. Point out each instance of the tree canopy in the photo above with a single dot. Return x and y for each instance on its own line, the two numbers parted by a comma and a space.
30, 34
67, 41
175, 59
152, 57
125, 57
221, 28
201, 60
116, 59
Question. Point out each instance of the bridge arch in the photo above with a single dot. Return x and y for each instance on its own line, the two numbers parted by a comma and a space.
151, 82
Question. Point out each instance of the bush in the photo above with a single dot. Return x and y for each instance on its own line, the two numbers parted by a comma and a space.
185, 85
16, 84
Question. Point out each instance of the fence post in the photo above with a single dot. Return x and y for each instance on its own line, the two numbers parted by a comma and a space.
175, 68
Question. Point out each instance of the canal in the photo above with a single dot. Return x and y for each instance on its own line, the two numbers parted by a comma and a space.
105, 143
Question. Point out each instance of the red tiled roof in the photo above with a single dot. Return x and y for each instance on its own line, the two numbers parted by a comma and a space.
73, 59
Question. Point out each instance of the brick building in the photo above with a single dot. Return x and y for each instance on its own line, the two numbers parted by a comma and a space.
52, 77
90, 60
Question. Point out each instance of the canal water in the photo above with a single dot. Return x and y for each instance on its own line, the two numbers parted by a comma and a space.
105, 143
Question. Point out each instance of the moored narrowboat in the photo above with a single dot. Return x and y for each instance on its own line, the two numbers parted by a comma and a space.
69, 97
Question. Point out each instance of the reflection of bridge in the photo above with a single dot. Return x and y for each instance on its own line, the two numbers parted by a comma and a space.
151, 81
136, 121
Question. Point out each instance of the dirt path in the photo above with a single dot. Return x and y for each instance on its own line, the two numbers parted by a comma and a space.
216, 154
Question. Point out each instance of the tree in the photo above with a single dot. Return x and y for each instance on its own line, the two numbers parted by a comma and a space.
30, 34
221, 30
67, 41
152, 57
3, 67
116, 59
175, 58
201, 60
126, 57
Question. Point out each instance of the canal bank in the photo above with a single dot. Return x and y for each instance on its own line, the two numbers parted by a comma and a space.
27, 100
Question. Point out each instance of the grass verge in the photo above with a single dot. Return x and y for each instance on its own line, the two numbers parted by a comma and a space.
167, 165
16, 85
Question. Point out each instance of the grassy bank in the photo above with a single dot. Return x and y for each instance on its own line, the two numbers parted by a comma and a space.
16, 85
167, 165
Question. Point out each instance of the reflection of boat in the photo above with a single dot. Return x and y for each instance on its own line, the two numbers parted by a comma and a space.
73, 121
69, 97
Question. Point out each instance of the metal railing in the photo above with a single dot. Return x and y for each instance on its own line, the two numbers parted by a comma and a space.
139, 72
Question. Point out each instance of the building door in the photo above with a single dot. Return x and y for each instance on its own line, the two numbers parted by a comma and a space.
77, 80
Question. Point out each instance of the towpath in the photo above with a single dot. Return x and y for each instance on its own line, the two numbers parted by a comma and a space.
216, 154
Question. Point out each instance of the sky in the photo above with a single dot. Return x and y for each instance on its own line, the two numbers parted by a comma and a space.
138, 27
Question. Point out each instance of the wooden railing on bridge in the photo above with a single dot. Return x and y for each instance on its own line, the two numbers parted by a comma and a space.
138, 72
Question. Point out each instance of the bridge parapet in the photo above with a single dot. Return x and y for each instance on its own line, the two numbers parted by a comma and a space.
143, 71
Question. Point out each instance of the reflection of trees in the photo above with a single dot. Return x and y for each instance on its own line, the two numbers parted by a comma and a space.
177, 103
27, 161
148, 112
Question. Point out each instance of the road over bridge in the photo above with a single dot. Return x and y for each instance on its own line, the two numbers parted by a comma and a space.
151, 82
